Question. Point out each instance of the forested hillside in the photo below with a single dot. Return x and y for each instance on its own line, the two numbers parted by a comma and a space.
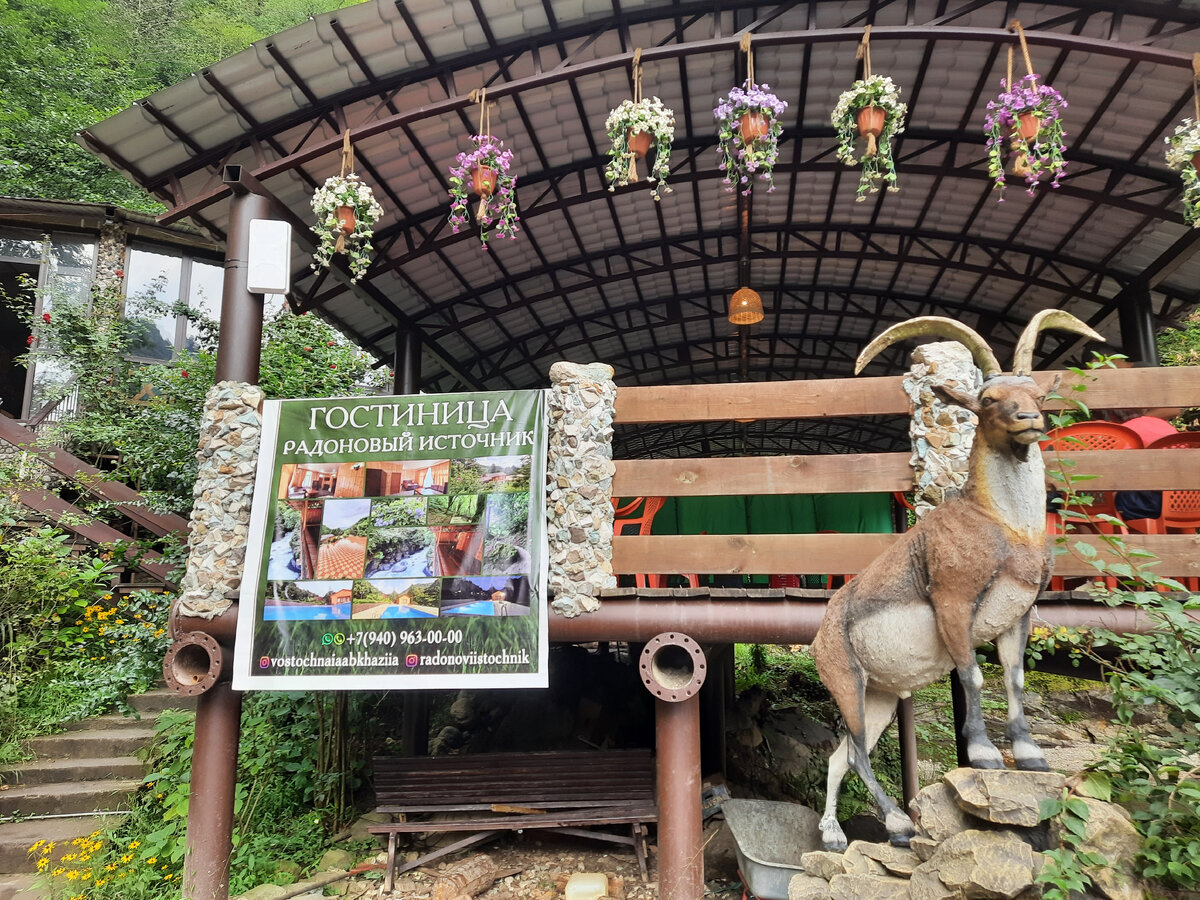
66, 64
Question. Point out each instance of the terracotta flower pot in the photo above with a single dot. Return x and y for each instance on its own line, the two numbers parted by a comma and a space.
639, 143
347, 221
871, 120
483, 180
1028, 125
1196, 162
754, 125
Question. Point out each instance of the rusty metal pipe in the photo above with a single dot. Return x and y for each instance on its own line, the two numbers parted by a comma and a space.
223, 627
774, 621
210, 809
673, 668
195, 663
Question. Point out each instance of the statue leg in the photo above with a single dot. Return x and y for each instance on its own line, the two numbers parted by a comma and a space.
832, 835
1010, 647
878, 709
980, 749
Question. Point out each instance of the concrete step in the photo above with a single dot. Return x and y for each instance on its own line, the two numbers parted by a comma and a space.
105, 742
71, 797
17, 837
153, 702
55, 771
20, 887
109, 722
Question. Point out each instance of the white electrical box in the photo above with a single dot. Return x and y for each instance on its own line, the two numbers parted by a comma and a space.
269, 266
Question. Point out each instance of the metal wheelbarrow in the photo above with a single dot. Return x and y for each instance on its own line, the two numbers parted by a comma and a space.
770, 837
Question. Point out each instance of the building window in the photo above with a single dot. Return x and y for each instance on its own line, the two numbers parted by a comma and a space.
155, 283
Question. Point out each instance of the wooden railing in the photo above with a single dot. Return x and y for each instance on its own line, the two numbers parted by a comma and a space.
865, 473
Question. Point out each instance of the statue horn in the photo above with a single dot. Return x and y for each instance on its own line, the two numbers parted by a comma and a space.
937, 326
1046, 319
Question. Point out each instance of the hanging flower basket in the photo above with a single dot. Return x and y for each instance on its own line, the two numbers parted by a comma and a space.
748, 132
1028, 118
486, 169
346, 211
1183, 155
636, 127
870, 109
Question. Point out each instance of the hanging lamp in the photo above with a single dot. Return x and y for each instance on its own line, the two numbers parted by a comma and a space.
745, 307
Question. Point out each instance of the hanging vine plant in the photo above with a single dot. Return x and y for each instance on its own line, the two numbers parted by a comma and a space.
1183, 153
870, 109
485, 170
346, 211
748, 130
1029, 116
635, 127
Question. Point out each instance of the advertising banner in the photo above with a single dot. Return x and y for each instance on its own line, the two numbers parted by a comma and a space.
397, 543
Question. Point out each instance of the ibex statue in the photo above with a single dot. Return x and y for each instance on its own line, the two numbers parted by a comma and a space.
968, 573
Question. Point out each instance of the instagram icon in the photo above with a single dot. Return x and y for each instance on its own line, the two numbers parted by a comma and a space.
412, 660
264, 662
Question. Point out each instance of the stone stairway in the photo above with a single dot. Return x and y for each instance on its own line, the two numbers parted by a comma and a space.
82, 779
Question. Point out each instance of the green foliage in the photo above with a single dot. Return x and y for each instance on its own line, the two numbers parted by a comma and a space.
1064, 869
153, 438
67, 64
1157, 671
282, 805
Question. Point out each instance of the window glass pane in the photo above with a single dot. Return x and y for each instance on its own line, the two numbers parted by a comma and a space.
50, 378
20, 248
152, 287
73, 254
204, 294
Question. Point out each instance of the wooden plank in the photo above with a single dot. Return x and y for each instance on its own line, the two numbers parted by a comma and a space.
127, 500
839, 554
75, 520
827, 397
860, 473
838, 473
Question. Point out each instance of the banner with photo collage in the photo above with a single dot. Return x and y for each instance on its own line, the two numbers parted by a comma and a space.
397, 543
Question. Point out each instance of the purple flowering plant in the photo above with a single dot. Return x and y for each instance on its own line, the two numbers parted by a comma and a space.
498, 212
1043, 152
742, 160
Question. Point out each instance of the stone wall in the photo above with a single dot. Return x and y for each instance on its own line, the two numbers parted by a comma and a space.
579, 471
228, 456
941, 434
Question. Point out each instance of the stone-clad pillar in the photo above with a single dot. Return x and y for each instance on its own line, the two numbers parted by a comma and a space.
579, 471
941, 434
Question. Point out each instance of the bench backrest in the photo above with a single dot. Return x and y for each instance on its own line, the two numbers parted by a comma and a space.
545, 779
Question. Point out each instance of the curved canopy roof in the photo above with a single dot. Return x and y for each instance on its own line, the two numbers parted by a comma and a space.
645, 286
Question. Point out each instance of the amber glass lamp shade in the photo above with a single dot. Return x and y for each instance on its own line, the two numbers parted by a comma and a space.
745, 307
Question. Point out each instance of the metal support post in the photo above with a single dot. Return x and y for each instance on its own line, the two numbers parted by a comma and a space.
907, 727
673, 669
219, 710
1136, 315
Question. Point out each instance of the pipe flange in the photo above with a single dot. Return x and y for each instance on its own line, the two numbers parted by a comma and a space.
194, 663
672, 667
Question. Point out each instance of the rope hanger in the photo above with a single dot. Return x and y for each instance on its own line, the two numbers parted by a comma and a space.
864, 52
347, 169
1196, 84
1019, 147
744, 46
632, 174
485, 130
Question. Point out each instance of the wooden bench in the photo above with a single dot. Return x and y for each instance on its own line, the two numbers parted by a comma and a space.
568, 792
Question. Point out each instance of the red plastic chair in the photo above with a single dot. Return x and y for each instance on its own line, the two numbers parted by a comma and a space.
1090, 436
1180, 509
623, 518
1093, 436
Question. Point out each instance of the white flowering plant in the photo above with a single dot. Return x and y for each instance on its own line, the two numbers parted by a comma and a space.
878, 167
649, 116
337, 192
742, 156
1182, 147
